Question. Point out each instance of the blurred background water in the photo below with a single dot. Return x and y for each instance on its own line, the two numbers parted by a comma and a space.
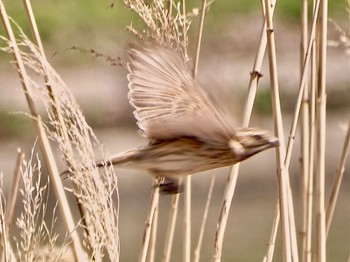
230, 41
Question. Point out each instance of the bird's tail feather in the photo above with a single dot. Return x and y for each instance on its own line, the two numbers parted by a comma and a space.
120, 159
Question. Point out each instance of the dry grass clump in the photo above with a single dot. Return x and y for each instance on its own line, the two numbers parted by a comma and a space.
36, 238
96, 193
162, 24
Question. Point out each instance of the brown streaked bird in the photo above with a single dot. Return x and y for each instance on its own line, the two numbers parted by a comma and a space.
187, 132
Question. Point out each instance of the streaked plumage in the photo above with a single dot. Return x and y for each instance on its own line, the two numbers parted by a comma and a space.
187, 132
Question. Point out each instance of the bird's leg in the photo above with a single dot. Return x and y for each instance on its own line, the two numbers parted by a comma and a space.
170, 185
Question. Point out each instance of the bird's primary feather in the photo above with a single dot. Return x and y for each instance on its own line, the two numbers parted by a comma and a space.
168, 102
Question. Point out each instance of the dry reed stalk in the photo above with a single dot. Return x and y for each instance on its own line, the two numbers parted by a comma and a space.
169, 236
255, 73
272, 241
55, 108
305, 132
148, 224
282, 172
307, 247
225, 208
152, 245
199, 38
302, 85
42, 137
38, 42
188, 188
301, 95
170, 8
232, 178
5, 242
301, 103
197, 250
187, 206
337, 181
321, 134
7, 252
10, 207
12, 197
186, 256
309, 209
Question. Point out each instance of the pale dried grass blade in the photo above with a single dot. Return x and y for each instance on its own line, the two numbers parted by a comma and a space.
199, 38
321, 134
282, 172
169, 236
197, 251
338, 181
225, 208
187, 220
12, 197
153, 239
304, 77
305, 132
7, 253
11, 204
274, 231
148, 224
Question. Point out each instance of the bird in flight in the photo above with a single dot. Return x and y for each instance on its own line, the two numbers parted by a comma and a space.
187, 131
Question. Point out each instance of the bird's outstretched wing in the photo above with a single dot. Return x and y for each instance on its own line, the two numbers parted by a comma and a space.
167, 100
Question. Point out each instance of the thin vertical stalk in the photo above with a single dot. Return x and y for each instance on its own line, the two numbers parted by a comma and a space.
171, 228
305, 132
321, 135
148, 224
187, 221
187, 198
43, 141
337, 182
302, 86
7, 252
11, 199
197, 251
184, 29
11, 204
272, 242
188, 185
196, 59
225, 208
199, 39
232, 178
310, 193
170, 9
153, 238
297, 110
282, 172
55, 108
295, 121
35, 32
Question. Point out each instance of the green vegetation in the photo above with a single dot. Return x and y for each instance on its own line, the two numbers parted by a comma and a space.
14, 125
62, 20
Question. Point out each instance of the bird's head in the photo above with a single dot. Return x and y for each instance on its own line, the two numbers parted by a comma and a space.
250, 141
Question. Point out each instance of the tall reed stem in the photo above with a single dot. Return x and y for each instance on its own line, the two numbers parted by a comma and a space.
321, 134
